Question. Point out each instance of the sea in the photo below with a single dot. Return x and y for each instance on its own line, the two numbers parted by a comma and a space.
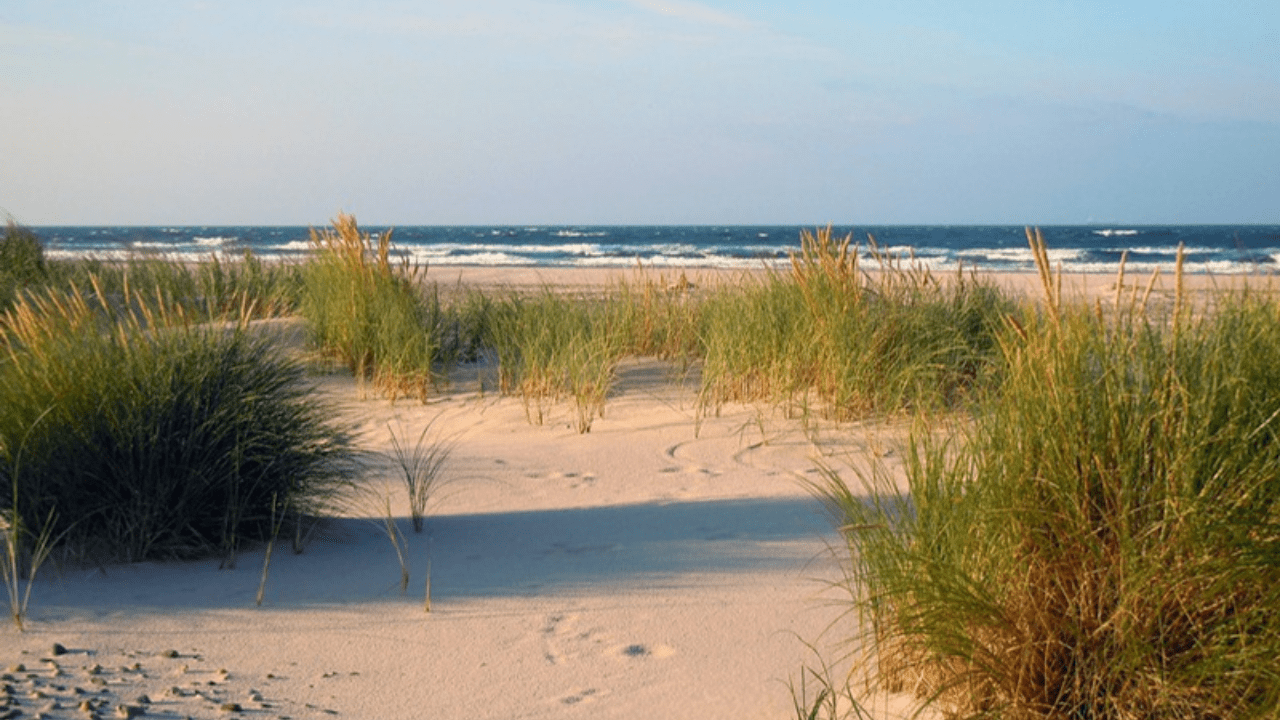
1217, 249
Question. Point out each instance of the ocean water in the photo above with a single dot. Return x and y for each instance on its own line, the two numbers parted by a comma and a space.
1224, 249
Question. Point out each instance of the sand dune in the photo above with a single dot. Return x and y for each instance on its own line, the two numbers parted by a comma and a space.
641, 570
665, 565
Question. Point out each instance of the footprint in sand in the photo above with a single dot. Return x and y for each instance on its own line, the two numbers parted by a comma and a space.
563, 640
579, 480
641, 651
554, 628
580, 696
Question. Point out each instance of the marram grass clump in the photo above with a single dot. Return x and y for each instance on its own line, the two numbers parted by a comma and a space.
22, 262
379, 317
551, 347
145, 436
1102, 541
851, 341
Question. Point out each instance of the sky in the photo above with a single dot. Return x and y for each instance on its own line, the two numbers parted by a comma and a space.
443, 112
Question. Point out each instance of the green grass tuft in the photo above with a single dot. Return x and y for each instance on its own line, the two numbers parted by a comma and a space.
379, 318
22, 263
860, 342
551, 347
1102, 541
151, 437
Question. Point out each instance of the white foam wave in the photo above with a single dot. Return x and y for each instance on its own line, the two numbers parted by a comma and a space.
1151, 250
1109, 232
104, 255
292, 246
481, 258
527, 249
667, 261
214, 240
578, 233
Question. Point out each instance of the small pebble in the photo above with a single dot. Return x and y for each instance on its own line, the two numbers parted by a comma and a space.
230, 707
129, 711
58, 649
169, 654
17, 668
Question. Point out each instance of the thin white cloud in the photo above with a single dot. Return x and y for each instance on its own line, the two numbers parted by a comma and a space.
546, 23
693, 12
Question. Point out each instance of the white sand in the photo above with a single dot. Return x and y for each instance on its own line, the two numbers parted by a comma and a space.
637, 571
649, 569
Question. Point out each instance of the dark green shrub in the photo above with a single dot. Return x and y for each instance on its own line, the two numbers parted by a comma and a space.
147, 439
22, 262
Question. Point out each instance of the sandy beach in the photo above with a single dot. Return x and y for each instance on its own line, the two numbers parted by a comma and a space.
664, 565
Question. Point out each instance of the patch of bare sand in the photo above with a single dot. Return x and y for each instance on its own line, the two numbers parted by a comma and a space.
641, 570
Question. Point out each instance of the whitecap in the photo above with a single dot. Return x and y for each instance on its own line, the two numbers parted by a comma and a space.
481, 258
578, 233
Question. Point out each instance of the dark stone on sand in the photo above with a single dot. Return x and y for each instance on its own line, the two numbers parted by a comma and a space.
58, 649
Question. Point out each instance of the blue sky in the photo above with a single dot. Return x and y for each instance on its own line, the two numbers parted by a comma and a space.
640, 111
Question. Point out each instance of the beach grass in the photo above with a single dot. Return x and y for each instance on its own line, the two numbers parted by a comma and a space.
420, 465
851, 341
1100, 540
25, 548
659, 316
217, 288
1089, 527
828, 334
22, 262
383, 320
145, 434
552, 347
